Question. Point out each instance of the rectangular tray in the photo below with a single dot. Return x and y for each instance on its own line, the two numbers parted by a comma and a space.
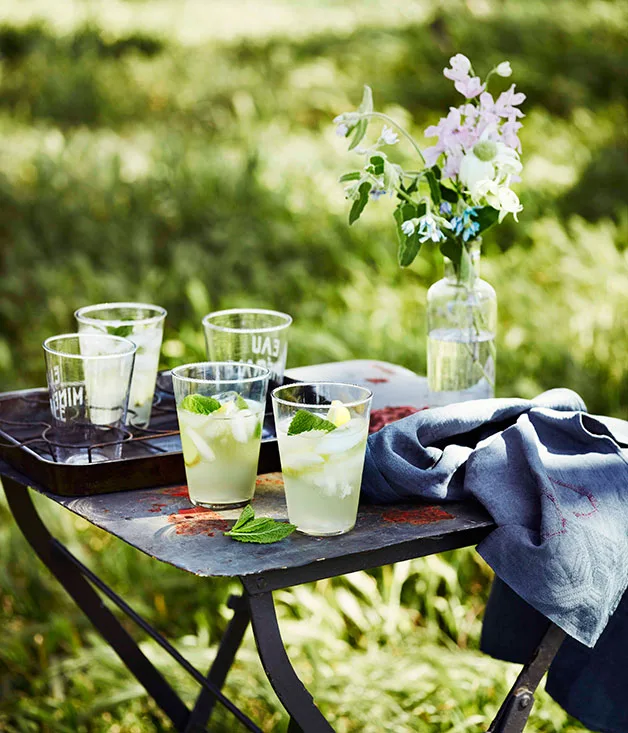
148, 459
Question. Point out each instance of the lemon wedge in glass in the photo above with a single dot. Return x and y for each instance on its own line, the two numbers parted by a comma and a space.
338, 414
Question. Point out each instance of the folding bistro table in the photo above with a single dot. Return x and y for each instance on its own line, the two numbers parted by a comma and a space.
163, 523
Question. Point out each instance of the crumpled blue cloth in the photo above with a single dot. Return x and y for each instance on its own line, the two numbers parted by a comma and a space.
554, 479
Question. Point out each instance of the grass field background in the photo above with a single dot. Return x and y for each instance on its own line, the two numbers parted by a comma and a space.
183, 153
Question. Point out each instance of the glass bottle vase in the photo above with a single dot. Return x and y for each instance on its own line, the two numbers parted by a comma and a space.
461, 324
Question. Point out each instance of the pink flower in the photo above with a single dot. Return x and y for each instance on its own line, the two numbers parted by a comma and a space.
469, 86
505, 106
509, 134
452, 164
432, 154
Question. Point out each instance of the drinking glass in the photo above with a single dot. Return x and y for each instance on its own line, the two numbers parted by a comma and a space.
252, 335
322, 429
89, 377
220, 407
143, 324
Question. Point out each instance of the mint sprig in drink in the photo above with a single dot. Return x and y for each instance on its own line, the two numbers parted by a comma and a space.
220, 407
322, 430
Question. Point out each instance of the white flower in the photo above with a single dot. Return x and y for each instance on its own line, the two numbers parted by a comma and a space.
473, 170
342, 130
460, 67
499, 196
388, 136
488, 161
409, 226
429, 228
506, 161
503, 69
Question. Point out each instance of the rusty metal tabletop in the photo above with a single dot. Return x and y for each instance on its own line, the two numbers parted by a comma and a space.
164, 524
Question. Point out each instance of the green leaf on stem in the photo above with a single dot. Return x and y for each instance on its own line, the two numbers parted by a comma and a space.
409, 246
448, 194
486, 217
391, 176
434, 187
358, 133
366, 105
353, 176
376, 166
360, 202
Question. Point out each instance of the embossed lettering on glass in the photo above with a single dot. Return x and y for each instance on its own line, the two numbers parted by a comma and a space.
89, 377
250, 335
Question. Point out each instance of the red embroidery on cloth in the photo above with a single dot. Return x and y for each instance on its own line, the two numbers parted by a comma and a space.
421, 515
563, 521
582, 492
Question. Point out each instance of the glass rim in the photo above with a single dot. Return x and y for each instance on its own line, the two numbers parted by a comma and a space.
286, 320
82, 314
355, 403
264, 372
47, 346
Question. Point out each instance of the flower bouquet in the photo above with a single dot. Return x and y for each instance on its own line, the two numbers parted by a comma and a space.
461, 188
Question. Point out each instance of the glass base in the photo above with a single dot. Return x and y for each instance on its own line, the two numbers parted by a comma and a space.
213, 505
335, 533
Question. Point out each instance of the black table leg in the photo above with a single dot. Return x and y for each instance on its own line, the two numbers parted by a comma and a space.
516, 708
36, 533
228, 648
304, 715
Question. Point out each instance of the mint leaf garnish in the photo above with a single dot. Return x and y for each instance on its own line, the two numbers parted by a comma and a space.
257, 433
245, 517
262, 530
200, 404
120, 330
241, 403
304, 421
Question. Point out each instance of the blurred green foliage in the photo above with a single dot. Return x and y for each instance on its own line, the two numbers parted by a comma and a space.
183, 154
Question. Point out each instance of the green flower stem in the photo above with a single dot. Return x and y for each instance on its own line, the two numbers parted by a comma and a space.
405, 196
477, 327
407, 135
401, 193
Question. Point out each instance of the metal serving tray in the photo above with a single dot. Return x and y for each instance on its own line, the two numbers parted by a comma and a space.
150, 457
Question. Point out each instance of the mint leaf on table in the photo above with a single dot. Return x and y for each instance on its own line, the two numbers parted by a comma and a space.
304, 421
262, 530
120, 330
199, 404
244, 518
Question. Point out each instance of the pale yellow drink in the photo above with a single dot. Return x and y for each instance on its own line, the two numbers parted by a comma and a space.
221, 451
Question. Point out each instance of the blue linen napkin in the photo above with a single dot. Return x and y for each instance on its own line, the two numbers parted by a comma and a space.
555, 480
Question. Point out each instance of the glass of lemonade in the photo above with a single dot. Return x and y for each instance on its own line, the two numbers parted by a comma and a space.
220, 406
143, 324
322, 430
